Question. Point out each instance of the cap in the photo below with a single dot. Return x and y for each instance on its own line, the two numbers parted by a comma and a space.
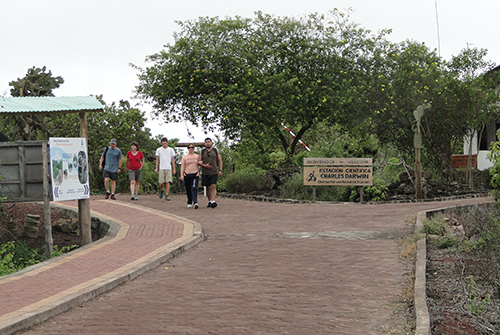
113, 141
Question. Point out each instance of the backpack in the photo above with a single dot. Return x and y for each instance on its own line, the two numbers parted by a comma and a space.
104, 157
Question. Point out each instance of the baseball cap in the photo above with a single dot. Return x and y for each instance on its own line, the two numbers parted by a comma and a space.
113, 141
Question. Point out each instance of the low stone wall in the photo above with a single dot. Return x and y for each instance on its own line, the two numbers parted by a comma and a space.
423, 324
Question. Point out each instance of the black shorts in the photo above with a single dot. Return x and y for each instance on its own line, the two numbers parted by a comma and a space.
110, 175
211, 179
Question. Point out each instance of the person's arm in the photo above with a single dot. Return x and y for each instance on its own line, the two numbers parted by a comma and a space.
100, 162
173, 165
126, 163
142, 160
183, 168
220, 163
157, 160
119, 164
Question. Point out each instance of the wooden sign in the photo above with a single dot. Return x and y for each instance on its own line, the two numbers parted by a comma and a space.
460, 161
330, 176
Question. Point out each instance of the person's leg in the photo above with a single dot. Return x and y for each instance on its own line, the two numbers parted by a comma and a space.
161, 181
187, 185
132, 188
212, 192
194, 190
137, 187
106, 184
113, 186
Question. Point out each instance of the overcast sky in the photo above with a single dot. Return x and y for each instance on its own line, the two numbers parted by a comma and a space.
90, 43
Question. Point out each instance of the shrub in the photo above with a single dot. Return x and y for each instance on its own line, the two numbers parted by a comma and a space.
15, 256
294, 188
247, 180
434, 226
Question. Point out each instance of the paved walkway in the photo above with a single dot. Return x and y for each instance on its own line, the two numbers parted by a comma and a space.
265, 268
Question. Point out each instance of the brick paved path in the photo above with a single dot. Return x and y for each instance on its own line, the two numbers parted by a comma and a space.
84, 271
265, 268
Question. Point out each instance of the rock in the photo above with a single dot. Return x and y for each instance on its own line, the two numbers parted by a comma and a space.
31, 226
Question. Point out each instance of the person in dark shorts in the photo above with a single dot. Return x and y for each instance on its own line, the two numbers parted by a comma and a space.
211, 162
111, 167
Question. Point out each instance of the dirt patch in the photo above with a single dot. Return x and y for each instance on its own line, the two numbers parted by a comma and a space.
16, 212
449, 289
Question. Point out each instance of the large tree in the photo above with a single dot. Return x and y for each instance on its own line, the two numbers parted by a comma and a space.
36, 83
408, 74
250, 75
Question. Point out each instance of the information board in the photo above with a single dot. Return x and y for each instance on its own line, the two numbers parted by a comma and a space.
69, 168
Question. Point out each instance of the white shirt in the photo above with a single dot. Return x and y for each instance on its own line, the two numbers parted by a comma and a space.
165, 155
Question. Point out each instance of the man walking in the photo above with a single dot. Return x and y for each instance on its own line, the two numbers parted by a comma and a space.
211, 162
165, 164
112, 158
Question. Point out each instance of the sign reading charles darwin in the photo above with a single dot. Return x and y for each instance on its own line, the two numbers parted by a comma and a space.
69, 168
353, 175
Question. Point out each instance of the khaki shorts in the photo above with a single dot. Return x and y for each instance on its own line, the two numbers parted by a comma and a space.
165, 176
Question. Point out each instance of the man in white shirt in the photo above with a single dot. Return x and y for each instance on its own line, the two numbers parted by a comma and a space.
165, 165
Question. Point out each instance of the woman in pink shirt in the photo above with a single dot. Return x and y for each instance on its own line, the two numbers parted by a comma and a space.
190, 176
134, 164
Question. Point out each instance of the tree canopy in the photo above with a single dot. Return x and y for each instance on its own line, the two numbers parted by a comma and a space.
250, 75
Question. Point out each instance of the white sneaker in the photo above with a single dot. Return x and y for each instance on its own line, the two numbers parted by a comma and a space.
196, 206
189, 205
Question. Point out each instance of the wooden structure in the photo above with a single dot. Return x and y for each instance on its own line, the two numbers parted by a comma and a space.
50, 105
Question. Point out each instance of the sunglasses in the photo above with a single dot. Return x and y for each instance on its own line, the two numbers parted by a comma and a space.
190, 147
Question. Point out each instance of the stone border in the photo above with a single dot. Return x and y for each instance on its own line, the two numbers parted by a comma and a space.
293, 201
423, 322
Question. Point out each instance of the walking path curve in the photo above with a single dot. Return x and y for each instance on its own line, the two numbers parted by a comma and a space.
265, 267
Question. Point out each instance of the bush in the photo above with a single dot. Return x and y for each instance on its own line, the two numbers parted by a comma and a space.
294, 189
247, 180
15, 256
434, 226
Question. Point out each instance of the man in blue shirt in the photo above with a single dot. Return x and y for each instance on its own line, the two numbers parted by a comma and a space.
111, 168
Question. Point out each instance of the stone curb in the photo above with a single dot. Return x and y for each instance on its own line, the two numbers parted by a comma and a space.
423, 323
70, 301
381, 202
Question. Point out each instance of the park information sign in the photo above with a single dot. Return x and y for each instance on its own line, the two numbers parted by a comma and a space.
338, 171
69, 168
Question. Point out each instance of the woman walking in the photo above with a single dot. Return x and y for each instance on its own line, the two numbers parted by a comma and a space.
191, 176
134, 164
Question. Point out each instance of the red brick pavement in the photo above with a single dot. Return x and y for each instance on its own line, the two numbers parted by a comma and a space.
143, 233
265, 268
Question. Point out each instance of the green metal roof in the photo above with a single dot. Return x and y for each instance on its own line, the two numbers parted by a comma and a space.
30, 105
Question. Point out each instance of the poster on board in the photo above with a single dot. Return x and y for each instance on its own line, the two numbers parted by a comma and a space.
69, 168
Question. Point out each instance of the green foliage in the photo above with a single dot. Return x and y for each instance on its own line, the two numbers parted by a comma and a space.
119, 121
370, 193
58, 252
476, 305
434, 226
488, 237
446, 242
15, 256
36, 83
247, 76
247, 180
494, 155
294, 189
277, 158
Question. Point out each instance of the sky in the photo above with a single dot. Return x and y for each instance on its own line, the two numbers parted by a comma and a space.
91, 43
